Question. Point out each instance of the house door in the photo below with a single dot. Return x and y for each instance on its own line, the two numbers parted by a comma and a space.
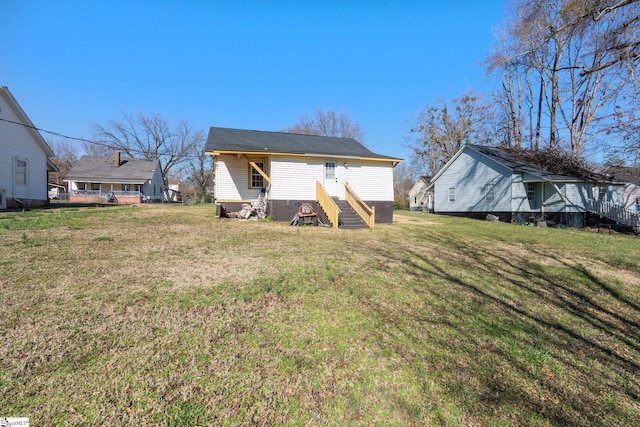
331, 179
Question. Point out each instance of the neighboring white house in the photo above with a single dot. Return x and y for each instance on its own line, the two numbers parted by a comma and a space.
421, 195
173, 191
482, 180
24, 157
291, 169
114, 179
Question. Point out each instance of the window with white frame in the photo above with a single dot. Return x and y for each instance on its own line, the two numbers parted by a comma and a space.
125, 187
95, 186
256, 180
21, 172
452, 194
531, 191
490, 193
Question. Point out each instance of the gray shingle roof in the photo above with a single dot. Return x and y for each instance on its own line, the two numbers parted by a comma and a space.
225, 139
624, 173
103, 169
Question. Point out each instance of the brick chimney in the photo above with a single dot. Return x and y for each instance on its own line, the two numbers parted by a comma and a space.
116, 160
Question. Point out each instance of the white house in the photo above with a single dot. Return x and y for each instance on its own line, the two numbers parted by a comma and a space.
421, 195
290, 169
482, 180
24, 157
95, 179
173, 193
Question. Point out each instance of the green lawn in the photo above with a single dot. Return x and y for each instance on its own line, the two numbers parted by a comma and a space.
162, 314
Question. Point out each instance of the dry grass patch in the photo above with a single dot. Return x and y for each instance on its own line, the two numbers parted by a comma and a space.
164, 315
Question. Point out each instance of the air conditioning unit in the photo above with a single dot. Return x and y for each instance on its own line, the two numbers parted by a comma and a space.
3, 198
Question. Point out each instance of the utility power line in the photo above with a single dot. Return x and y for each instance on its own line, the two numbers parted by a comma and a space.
60, 135
50, 132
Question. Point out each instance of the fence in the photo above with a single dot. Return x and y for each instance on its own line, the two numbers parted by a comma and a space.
96, 196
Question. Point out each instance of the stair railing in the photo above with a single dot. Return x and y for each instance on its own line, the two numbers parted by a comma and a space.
328, 205
365, 212
614, 212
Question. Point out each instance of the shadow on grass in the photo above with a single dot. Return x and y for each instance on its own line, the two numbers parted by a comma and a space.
546, 341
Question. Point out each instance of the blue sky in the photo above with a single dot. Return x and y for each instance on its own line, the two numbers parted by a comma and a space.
244, 64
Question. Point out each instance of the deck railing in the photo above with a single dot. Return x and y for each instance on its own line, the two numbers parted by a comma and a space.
97, 196
327, 204
104, 193
617, 213
85, 192
365, 212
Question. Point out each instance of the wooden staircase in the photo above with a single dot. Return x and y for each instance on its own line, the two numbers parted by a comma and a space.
616, 213
349, 213
348, 217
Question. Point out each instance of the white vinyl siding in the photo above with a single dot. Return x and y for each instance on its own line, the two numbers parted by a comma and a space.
294, 178
372, 181
232, 179
18, 143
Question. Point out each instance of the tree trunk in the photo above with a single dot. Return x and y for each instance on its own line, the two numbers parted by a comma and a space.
555, 98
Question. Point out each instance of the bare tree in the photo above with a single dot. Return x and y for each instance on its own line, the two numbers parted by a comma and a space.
65, 156
96, 149
628, 128
577, 56
328, 123
442, 129
404, 177
621, 40
199, 172
150, 136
